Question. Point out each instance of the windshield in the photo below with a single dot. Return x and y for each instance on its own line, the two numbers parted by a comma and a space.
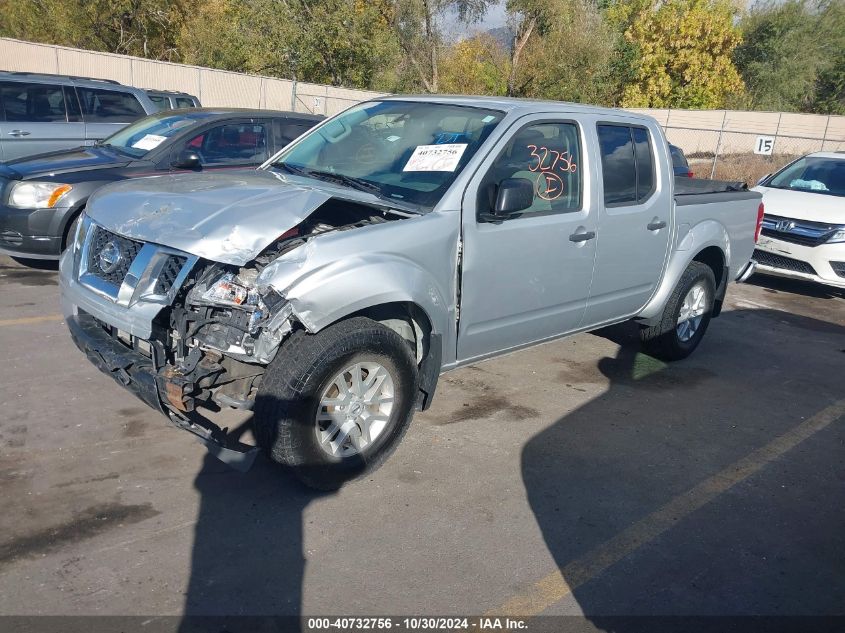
150, 132
812, 173
410, 152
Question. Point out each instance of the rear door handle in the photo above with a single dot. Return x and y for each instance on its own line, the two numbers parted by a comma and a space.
582, 237
656, 225
19, 133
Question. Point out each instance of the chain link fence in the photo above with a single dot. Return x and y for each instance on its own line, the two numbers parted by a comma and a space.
725, 154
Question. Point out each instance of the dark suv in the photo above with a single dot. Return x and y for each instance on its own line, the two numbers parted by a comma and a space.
41, 113
41, 196
171, 100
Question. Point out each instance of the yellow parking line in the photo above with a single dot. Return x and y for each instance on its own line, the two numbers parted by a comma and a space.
563, 582
28, 320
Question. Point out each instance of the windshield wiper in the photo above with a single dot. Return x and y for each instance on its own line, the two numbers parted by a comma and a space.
291, 169
350, 181
342, 179
115, 148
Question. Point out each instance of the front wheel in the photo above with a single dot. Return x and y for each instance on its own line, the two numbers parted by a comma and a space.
685, 317
334, 405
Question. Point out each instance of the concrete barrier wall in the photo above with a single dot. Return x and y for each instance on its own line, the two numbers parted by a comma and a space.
697, 132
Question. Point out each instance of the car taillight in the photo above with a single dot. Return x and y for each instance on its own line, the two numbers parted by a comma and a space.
760, 211
690, 174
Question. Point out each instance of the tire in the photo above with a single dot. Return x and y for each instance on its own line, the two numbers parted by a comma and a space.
300, 379
668, 340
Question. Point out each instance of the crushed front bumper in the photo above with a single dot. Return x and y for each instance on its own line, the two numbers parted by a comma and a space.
129, 368
154, 383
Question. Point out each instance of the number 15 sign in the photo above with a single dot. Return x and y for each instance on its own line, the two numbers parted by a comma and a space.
764, 145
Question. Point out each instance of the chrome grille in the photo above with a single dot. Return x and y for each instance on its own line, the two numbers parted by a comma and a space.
126, 270
169, 272
801, 232
110, 269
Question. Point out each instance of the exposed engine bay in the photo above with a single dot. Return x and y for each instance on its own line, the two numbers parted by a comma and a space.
223, 327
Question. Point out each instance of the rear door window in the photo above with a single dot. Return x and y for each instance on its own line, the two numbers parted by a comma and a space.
289, 131
109, 106
33, 103
619, 171
627, 164
231, 144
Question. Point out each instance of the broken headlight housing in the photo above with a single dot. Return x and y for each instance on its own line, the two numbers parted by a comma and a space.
226, 311
228, 292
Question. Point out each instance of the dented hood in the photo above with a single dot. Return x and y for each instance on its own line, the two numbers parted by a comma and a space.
228, 217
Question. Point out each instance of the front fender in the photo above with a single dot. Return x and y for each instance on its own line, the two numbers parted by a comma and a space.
702, 235
334, 290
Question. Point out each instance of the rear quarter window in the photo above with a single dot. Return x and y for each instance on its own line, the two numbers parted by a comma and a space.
161, 102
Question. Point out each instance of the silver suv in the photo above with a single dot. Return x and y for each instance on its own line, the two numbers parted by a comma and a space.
42, 113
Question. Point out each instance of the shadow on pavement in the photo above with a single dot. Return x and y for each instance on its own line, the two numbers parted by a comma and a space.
38, 264
247, 557
772, 544
796, 286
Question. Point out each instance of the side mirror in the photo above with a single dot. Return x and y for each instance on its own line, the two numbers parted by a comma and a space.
513, 195
187, 159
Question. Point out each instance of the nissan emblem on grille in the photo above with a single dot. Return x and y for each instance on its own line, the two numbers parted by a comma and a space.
109, 257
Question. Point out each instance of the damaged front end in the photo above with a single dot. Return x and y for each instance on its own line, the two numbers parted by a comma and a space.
206, 341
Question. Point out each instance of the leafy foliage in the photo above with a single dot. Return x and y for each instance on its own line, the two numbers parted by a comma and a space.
476, 65
684, 50
793, 56
570, 56
338, 42
779, 55
146, 28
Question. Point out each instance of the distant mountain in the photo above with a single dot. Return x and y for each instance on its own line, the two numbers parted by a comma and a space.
503, 36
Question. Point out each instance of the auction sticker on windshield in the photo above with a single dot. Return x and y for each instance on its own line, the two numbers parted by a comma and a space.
150, 141
435, 157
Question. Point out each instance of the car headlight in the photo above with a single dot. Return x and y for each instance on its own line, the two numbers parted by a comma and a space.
37, 195
838, 236
226, 291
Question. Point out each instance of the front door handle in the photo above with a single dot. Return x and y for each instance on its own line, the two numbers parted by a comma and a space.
656, 225
582, 237
19, 133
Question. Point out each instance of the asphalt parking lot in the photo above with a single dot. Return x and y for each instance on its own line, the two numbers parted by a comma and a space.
579, 477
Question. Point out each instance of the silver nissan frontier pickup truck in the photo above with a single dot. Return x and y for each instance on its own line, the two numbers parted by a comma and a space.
405, 237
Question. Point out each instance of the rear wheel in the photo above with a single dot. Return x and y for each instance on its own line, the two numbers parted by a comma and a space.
685, 317
334, 405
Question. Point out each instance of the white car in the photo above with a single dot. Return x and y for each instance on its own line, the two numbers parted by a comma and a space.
803, 233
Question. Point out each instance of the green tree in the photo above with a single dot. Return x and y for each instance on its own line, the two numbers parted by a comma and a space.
793, 55
337, 42
417, 25
683, 52
476, 65
563, 50
146, 28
